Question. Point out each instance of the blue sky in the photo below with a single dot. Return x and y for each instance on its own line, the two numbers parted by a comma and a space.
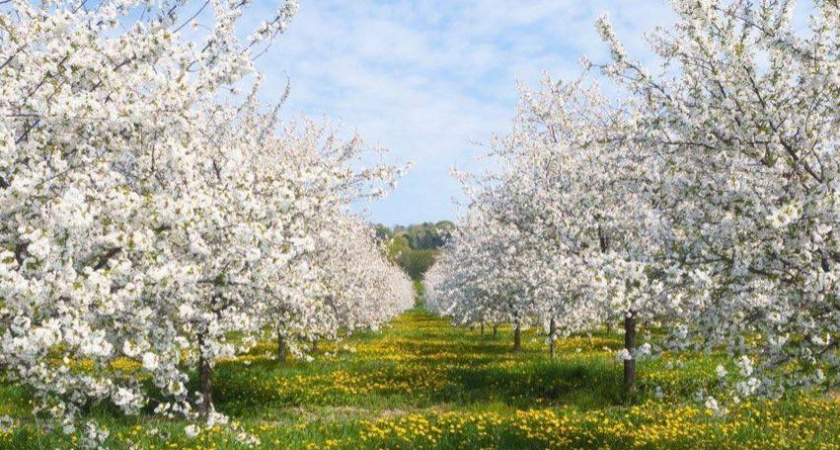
428, 79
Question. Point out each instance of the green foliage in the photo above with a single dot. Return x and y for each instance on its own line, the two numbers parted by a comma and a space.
383, 233
416, 262
415, 247
397, 246
426, 236
421, 290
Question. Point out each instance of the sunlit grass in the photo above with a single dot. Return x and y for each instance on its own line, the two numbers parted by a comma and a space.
422, 383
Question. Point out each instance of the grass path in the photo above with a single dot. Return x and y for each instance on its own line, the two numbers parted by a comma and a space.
422, 383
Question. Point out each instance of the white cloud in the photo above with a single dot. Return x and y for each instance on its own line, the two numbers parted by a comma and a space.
425, 78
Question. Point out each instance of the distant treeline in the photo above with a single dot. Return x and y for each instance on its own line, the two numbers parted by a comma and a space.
415, 247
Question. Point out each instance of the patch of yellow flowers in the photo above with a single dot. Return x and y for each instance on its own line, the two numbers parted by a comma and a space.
419, 357
651, 425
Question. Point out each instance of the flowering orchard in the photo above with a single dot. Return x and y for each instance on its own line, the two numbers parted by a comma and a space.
702, 200
159, 224
149, 212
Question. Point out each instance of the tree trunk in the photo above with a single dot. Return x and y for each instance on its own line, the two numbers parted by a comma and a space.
495, 330
204, 381
314, 345
482, 329
609, 328
281, 348
517, 337
552, 329
630, 346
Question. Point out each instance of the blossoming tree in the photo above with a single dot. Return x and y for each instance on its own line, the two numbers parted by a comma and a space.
747, 133
148, 210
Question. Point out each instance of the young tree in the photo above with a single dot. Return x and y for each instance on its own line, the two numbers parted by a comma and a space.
328, 287
595, 207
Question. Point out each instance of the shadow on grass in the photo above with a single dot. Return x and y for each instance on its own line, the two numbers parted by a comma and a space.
585, 385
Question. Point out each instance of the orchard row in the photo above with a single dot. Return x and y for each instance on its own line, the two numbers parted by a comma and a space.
154, 220
697, 194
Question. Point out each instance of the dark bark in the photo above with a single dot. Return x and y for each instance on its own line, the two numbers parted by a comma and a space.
517, 337
495, 330
552, 329
482, 328
314, 345
103, 260
281, 348
630, 346
204, 381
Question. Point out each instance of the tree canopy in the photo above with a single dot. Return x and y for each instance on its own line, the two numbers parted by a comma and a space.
415, 247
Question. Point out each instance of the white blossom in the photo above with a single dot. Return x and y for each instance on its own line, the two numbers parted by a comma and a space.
192, 431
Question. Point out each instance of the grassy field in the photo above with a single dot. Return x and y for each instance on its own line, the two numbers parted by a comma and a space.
422, 383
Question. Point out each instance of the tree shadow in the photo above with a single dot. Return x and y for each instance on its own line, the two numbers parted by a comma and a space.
586, 385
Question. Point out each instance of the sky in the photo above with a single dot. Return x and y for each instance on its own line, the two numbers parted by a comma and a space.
431, 80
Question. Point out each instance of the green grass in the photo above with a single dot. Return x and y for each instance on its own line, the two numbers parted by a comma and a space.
422, 383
